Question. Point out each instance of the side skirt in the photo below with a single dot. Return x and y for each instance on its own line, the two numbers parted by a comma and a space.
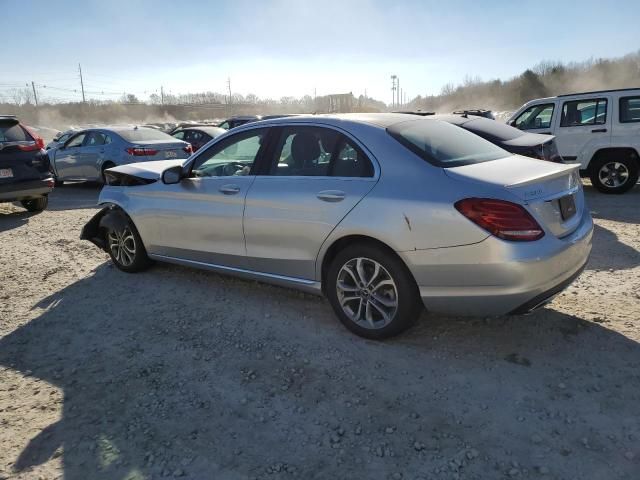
305, 285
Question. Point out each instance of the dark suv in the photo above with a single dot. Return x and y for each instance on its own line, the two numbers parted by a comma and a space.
25, 175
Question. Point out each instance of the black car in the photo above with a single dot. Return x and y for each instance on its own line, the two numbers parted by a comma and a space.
478, 112
197, 136
234, 122
511, 139
25, 175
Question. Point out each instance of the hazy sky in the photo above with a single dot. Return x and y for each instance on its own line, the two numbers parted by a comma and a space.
288, 47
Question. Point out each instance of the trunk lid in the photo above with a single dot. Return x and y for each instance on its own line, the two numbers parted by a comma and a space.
551, 191
162, 150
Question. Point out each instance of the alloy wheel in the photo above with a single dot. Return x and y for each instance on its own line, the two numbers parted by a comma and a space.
122, 245
613, 174
367, 293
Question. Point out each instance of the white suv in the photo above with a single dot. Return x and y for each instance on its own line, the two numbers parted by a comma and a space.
598, 130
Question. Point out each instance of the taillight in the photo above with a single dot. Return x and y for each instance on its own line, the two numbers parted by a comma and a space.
188, 149
503, 219
141, 152
39, 142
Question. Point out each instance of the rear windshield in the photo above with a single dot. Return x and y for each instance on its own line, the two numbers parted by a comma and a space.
144, 135
12, 132
443, 144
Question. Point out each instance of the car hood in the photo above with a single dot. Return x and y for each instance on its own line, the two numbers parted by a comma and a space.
146, 170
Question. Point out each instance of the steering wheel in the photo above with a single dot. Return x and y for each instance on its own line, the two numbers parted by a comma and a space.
232, 168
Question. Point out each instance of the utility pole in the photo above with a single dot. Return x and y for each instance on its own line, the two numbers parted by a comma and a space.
81, 83
161, 95
393, 90
229, 85
399, 96
35, 95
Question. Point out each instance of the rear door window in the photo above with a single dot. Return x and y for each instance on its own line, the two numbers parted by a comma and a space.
536, 116
95, 139
304, 151
577, 113
629, 109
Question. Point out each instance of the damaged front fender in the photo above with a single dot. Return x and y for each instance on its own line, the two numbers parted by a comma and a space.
111, 217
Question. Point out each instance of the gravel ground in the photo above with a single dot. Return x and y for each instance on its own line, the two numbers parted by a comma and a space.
180, 373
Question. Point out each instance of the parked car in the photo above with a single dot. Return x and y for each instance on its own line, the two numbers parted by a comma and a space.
234, 122
60, 138
511, 139
383, 213
198, 136
88, 153
599, 130
478, 112
25, 175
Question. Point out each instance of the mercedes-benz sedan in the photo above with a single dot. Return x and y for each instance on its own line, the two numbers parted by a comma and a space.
383, 213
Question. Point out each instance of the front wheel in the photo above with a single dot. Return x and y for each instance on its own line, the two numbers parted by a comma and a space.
36, 204
372, 292
125, 247
614, 175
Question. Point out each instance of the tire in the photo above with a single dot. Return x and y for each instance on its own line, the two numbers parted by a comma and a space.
613, 175
364, 305
125, 248
36, 204
106, 165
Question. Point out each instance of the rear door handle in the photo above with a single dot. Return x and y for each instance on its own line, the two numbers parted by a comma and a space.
331, 195
230, 189
599, 130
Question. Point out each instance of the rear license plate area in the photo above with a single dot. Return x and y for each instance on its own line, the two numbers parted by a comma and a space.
567, 207
6, 173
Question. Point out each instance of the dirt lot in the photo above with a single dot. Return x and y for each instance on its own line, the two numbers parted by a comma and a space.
181, 373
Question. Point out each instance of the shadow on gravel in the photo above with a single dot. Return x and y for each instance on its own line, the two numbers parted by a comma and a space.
9, 221
619, 208
610, 253
71, 196
180, 373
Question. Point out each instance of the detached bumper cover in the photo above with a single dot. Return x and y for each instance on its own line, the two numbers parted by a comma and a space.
108, 217
25, 189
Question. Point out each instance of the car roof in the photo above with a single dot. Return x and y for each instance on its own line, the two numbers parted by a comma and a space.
382, 120
206, 129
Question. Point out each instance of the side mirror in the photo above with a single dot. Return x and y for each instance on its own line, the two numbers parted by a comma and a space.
172, 175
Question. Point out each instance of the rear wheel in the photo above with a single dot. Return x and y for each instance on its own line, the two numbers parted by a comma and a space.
126, 249
614, 175
372, 292
36, 204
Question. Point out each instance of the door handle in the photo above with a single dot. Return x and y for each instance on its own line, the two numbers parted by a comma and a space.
331, 195
599, 130
230, 189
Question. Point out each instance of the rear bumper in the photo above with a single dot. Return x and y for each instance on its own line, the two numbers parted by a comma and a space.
495, 277
26, 189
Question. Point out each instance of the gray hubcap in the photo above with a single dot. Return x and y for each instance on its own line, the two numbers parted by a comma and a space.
613, 174
367, 293
122, 245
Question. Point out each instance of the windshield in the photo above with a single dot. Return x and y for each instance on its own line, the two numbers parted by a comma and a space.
144, 135
492, 130
443, 144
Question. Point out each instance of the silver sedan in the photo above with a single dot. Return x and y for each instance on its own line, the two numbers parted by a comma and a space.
385, 214
86, 154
